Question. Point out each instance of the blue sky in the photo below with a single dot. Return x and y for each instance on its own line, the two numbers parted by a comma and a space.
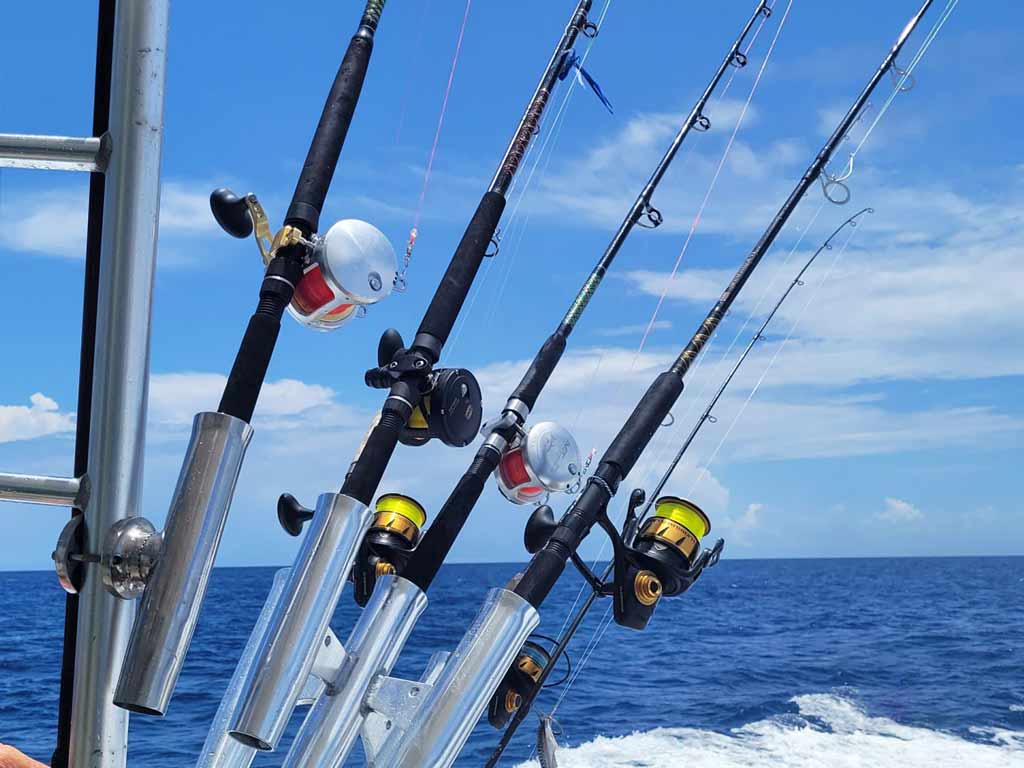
889, 424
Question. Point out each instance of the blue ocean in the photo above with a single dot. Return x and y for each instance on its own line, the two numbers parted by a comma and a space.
873, 662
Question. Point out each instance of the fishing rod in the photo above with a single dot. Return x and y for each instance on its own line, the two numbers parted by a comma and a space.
662, 559
527, 464
323, 281
528, 691
423, 402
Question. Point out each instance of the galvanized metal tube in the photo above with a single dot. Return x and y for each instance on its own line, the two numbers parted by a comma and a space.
98, 737
175, 590
55, 153
441, 725
40, 489
332, 725
220, 750
288, 648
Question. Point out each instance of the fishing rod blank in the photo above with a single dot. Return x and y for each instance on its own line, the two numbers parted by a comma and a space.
356, 261
643, 573
529, 690
547, 451
423, 402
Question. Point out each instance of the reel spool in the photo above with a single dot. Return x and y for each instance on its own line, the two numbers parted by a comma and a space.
350, 268
520, 679
451, 411
671, 539
394, 533
545, 460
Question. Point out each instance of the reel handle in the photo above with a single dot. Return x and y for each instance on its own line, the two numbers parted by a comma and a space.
231, 212
291, 514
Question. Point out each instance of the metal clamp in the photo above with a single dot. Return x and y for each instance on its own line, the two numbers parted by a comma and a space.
131, 548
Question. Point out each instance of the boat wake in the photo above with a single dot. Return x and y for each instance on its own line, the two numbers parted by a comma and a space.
829, 730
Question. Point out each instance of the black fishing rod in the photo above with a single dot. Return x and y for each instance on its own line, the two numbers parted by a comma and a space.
545, 459
324, 281
530, 692
620, 457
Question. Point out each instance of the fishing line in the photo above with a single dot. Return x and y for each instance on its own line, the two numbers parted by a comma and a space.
904, 82
810, 299
400, 277
417, 49
513, 220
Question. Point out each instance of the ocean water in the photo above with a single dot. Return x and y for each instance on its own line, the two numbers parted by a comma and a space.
915, 663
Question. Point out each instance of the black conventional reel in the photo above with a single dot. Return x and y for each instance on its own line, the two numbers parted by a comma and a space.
450, 407
344, 271
660, 557
392, 537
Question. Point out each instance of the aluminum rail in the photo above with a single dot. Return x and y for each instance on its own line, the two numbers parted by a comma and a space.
41, 489
55, 153
98, 737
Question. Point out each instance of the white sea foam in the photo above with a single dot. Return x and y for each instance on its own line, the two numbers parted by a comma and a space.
830, 731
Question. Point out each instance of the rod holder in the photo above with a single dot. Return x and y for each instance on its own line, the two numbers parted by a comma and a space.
443, 722
288, 647
177, 584
333, 723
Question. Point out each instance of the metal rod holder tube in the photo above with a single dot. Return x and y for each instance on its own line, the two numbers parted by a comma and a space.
175, 590
220, 750
289, 646
56, 153
443, 722
333, 723
40, 489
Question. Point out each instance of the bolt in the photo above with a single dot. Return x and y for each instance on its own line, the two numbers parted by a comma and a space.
414, 692
573, 469
419, 363
375, 281
463, 389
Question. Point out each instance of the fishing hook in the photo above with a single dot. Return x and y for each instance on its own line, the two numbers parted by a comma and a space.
496, 242
670, 419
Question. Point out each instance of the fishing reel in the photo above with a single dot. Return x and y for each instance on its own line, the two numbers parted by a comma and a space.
450, 405
344, 271
392, 537
660, 557
522, 679
539, 462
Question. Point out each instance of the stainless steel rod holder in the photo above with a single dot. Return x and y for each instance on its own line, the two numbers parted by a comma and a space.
333, 723
174, 593
289, 646
220, 750
443, 722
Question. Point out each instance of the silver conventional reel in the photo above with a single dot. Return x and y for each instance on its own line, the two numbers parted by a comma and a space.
542, 461
346, 270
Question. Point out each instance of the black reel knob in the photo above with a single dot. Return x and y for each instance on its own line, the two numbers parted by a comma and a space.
231, 212
390, 344
291, 514
539, 528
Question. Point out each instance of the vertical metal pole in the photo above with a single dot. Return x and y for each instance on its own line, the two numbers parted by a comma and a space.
99, 730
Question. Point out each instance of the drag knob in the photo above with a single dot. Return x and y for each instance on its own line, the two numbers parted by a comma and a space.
291, 514
539, 528
231, 212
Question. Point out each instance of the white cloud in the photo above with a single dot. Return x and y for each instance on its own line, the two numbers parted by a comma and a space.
899, 511
54, 222
637, 329
43, 417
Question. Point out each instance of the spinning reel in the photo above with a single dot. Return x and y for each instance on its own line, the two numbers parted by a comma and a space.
662, 557
539, 462
344, 271
521, 679
392, 537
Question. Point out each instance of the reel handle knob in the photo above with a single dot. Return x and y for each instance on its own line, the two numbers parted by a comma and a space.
291, 514
389, 345
231, 212
539, 528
